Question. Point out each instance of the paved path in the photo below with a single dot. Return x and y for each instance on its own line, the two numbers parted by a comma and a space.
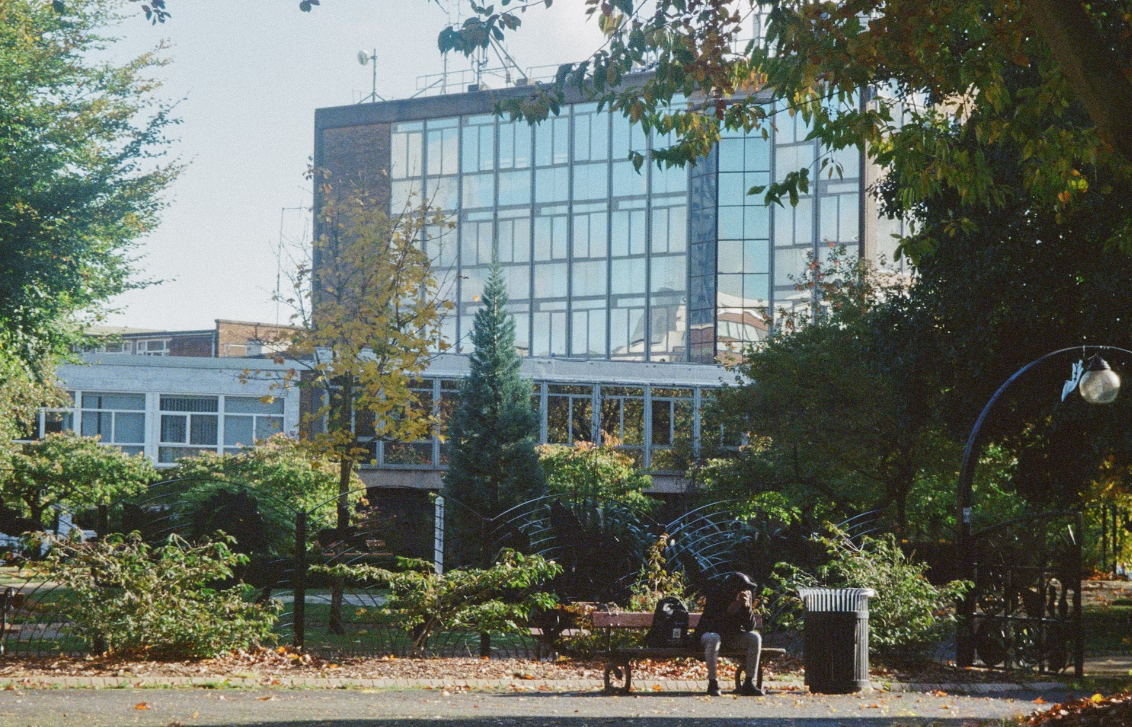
418, 708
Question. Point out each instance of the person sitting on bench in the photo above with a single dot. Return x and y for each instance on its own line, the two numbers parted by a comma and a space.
729, 620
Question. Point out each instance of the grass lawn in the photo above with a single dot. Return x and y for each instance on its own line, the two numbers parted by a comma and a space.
1108, 627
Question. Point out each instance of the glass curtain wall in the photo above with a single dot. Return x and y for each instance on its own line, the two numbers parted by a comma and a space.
656, 426
594, 253
743, 233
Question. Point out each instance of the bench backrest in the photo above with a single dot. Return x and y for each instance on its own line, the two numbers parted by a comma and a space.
641, 620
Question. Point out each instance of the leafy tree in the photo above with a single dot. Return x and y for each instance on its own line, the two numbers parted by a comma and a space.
498, 599
135, 599
72, 472
254, 494
838, 405
595, 472
932, 62
1007, 288
492, 462
80, 173
369, 310
289, 470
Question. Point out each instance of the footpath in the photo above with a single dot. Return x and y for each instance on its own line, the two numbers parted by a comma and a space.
40, 681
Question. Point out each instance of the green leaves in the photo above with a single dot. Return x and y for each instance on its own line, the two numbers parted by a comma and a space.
159, 601
82, 178
498, 599
70, 471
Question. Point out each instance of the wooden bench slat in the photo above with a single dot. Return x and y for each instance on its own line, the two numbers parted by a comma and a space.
641, 620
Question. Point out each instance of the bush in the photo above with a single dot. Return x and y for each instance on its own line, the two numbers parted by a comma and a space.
71, 472
253, 494
597, 473
131, 598
655, 581
908, 615
497, 600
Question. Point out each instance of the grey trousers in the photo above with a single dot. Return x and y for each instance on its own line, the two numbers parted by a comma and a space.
749, 639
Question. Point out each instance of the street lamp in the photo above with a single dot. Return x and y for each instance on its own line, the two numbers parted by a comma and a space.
1099, 384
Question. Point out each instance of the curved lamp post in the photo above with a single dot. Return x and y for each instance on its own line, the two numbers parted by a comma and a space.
1097, 384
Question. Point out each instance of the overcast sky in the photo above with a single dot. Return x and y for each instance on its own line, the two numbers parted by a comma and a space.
251, 73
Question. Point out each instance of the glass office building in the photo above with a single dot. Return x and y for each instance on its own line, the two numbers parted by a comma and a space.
603, 262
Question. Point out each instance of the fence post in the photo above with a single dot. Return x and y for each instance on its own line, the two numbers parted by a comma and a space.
103, 521
1078, 631
485, 637
438, 535
299, 607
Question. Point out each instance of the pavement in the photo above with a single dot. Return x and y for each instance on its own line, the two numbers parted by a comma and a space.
367, 707
1109, 665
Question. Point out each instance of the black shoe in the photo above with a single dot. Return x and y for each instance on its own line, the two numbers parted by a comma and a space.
712, 688
749, 690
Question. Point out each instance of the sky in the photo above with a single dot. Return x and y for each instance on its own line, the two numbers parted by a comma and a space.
248, 75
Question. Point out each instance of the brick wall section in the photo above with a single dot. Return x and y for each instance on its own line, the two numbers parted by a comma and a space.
233, 336
199, 346
357, 158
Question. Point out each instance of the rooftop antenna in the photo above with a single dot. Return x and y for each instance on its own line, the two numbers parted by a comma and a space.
364, 59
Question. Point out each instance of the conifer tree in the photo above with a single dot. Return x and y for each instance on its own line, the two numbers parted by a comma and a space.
492, 463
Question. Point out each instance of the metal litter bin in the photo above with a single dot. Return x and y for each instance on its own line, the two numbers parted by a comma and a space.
835, 639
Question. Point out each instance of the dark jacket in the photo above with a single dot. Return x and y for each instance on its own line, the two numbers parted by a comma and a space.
716, 619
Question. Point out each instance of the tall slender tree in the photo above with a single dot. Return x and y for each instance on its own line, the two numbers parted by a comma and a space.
492, 462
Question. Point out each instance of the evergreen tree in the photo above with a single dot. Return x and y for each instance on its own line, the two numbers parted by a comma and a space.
492, 462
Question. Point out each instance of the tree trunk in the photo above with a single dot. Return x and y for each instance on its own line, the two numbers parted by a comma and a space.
344, 420
345, 468
1093, 69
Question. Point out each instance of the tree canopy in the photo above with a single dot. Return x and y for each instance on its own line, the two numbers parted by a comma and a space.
925, 66
80, 172
492, 462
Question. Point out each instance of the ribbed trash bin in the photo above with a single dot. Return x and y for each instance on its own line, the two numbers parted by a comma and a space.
835, 639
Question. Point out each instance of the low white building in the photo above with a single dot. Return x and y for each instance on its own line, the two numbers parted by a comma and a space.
169, 407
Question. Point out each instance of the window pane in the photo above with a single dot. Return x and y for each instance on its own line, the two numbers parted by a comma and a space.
267, 426
202, 429
97, 424
173, 429
252, 405
239, 430
189, 403
129, 428
128, 402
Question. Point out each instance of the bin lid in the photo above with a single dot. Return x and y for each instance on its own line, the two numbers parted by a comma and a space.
836, 599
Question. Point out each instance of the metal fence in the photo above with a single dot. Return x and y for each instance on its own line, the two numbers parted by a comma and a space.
601, 545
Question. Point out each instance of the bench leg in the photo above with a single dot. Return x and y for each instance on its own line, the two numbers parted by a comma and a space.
618, 676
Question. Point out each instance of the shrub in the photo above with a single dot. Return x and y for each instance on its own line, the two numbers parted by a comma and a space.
655, 581
133, 598
498, 599
72, 472
908, 614
253, 494
598, 473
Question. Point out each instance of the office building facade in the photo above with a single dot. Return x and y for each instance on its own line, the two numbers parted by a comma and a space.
670, 270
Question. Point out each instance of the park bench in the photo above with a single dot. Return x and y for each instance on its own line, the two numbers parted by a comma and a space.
619, 660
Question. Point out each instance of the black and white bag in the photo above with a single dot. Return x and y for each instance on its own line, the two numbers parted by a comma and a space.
669, 624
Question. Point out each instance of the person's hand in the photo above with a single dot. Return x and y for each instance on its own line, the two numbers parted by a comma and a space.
742, 601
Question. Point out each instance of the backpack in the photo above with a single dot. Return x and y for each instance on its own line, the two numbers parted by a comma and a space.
669, 624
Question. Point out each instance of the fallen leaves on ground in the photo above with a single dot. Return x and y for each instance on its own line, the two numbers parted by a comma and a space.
1094, 711
270, 665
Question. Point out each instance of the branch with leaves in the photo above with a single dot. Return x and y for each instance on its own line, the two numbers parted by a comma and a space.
498, 599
